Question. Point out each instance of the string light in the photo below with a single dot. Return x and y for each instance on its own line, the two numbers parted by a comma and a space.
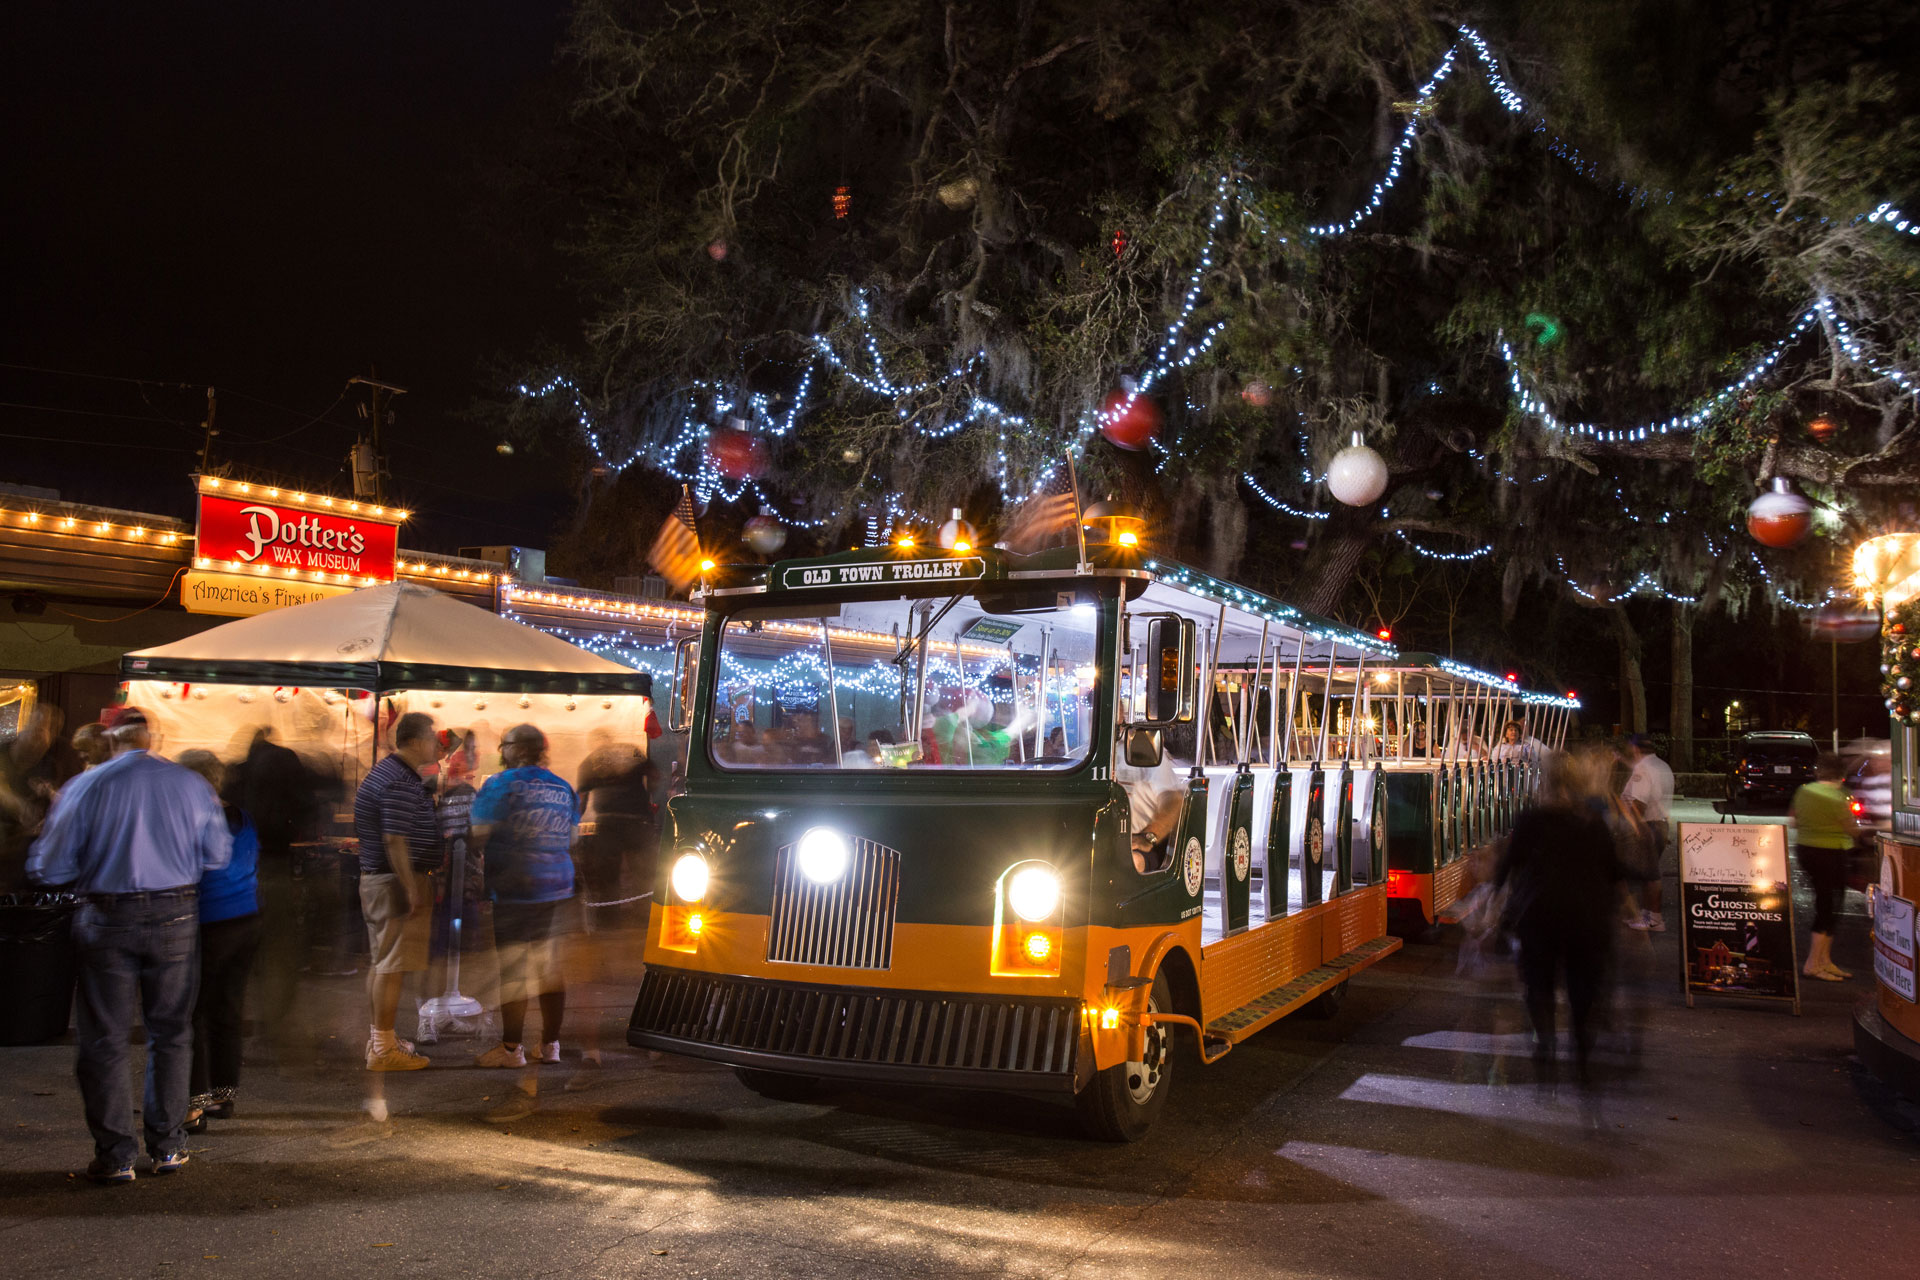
1431, 554
1176, 352
1535, 407
1210, 588
1278, 505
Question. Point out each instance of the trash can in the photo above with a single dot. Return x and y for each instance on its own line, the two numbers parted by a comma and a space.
36, 954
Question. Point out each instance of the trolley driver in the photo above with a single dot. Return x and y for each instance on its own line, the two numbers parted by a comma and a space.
1154, 797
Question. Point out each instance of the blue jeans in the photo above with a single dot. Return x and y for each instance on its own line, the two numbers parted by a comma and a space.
142, 947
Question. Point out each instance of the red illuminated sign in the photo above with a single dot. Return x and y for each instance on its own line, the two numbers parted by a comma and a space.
236, 531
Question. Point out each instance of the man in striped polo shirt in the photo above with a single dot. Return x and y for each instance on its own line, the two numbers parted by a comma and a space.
400, 853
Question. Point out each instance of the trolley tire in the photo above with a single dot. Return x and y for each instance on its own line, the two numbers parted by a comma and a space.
1324, 1006
780, 1086
1109, 1107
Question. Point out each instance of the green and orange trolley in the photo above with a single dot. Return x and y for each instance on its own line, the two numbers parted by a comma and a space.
905, 849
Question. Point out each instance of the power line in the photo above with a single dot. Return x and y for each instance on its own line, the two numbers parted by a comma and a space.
101, 444
92, 413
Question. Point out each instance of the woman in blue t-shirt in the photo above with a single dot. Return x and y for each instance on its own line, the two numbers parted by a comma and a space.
523, 822
229, 935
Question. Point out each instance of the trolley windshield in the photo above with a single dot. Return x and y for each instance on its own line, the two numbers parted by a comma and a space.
943, 683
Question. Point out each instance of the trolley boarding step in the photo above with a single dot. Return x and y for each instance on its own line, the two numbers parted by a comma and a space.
1236, 1025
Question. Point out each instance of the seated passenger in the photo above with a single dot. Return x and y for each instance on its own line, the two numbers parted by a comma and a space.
1154, 800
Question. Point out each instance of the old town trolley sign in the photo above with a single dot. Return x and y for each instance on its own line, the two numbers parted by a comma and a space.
1046, 824
261, 547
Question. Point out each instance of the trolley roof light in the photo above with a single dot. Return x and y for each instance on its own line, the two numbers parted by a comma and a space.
1122, 524
822, 854
957, 535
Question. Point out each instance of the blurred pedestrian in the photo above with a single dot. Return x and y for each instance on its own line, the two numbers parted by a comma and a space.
91, 745
278, 794
400, 852
229, 936
133, 838
615, 869
523, 823
25, 792
1560, 870
1823, 834
1647, 800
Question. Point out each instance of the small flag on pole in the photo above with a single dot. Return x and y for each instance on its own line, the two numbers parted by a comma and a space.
1042, 519
676, 551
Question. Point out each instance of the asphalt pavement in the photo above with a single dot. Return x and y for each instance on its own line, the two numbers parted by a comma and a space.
1406, 1137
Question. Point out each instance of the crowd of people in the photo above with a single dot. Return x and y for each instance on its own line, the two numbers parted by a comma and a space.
191, 874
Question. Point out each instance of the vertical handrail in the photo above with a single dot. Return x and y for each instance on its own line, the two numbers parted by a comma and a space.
920, 673
960, 665
1326, 703
1293, 693
1249, 735
1040, 711
833, 694
1211, 668
1354, 738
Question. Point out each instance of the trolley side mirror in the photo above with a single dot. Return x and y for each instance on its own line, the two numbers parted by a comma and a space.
1143, 747
686, 661
1171, 680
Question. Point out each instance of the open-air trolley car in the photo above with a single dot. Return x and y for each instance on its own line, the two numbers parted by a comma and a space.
907, 850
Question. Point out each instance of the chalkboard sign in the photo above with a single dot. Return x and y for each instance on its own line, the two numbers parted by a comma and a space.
1736, 913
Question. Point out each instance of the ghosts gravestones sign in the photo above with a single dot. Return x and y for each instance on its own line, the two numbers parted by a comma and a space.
1736, 913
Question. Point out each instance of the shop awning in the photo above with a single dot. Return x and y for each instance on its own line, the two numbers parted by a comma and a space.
397, 636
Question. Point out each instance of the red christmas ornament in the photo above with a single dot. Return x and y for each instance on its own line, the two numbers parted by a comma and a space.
1780, 517
717, 250
1257, 393
1822, 428
1129, 419
736, 455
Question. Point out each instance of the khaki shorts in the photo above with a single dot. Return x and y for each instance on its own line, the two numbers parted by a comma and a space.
398, 942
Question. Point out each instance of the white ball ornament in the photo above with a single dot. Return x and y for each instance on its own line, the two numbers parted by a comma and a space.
1357, 475
764, 533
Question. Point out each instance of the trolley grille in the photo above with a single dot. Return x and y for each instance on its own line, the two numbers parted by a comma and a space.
929, 1030
845, 925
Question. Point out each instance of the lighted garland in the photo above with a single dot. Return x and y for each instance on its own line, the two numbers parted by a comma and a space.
1177, 351
1899, 661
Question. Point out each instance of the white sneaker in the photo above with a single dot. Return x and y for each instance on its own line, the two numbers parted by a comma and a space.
550, 1053
501, 1056
1639, 922
1656, 923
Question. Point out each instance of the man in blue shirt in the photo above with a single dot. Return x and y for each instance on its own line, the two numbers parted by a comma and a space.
400, 852
523, 820
133, 837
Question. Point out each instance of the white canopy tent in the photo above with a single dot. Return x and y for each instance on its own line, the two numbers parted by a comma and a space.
330, 678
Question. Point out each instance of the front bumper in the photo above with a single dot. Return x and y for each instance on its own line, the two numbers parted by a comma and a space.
1025, 1044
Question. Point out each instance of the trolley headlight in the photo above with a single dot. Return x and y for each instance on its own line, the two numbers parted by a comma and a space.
822, 854
690, 877
1034, 893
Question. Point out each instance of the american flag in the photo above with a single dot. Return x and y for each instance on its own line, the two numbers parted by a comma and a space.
1039, 522
676, 551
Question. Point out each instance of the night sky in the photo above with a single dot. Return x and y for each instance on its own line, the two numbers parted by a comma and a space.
271, 198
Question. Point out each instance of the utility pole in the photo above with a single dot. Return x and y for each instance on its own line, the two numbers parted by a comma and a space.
369, 461
206, 444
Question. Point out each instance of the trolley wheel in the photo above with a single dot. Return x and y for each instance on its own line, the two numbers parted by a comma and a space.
1325, 1005
1121, 1103
781, 1086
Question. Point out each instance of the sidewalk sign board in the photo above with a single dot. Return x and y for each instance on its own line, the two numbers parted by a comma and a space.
1736, 913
